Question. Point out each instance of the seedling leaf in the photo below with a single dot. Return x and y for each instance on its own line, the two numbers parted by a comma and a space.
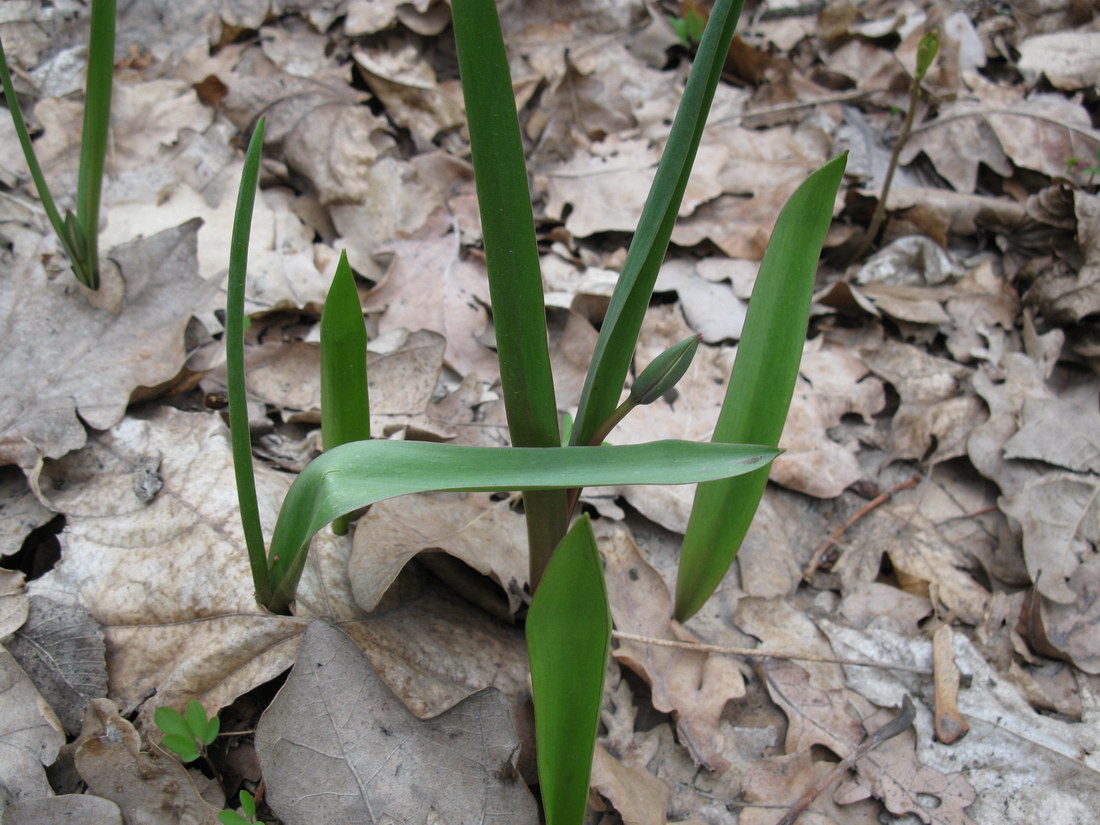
761, 386
171, 721
184, 746
568, 637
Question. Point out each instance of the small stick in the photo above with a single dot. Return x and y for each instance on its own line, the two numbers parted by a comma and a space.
756, 653
819, 552
896, 726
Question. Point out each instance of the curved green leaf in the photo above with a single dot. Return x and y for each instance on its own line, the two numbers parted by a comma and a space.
761, 386
568, 637
363, 472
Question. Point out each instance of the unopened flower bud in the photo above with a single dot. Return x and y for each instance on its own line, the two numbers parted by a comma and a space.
664, 371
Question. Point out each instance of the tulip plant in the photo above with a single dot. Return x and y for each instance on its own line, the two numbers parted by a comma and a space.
568, 624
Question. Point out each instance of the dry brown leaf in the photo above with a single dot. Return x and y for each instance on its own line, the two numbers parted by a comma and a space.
776, 783
428, 286
1067, 58
335, 725
484, 534
711, 308
64, 810
150, 787
891, 772
65, 356
997, 124
693, 686
61, 648
20, 511
639, 796
14, 602
1069, 630
1063, 431
1065, 299
167, 576
30, 735
1060, 517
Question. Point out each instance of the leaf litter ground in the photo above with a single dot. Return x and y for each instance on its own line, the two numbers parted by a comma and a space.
940, 473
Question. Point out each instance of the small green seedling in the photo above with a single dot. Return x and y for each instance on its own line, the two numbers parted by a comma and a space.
248, 805
1076, 165
187, 734
689, 27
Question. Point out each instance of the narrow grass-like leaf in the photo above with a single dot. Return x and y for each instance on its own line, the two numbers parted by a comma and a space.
234, 366
93, 139
511, 256
32, 159
363, 472
568, 637
619, 333
345, 403
761, 385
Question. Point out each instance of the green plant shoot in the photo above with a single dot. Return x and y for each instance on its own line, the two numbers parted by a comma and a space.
568, 638
345, 402
761, 386
79, 233
248, 806
189, 733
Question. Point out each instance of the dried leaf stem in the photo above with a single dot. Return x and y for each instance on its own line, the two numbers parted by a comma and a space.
756, 653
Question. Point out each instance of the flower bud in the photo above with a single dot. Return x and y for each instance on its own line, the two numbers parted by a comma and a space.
664, 371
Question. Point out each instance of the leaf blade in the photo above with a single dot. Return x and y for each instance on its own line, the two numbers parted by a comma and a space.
568, 639
363, 472
761, 386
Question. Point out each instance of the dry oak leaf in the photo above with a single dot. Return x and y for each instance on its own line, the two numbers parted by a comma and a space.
997, 125
1060, 517
151, 788
1068, 59
486, 535
777, 782
1063, 431
639, 796
429, 286
1066, 299
20, 511
1069, 631
839, 720
30, 735
14, 602
65, 357
338, 746
693, 686
166, 573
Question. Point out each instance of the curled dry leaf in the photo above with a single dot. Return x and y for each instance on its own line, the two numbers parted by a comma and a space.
1068, 631
336, 726
1066, 299
639, 796
30, 735
53, 333
150, 788
20, 511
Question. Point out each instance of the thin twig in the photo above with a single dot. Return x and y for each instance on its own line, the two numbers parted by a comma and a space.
819, 551
756, 653
895, 727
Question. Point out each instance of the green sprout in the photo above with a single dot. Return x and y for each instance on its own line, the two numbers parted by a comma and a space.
248, 805
79, 233
689, 26
189, 733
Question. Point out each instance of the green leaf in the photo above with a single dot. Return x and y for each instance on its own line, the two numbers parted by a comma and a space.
248, 804
619, 333
232, 818
184, 746
926, 52
345, 403
360, 473
511, 256
568, 637
170, 720
761, 386
93, 140
196, 718
239, 434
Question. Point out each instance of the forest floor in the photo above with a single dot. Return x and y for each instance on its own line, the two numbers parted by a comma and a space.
931, 532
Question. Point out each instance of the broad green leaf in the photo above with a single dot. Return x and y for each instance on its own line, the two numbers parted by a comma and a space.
248, 804
345, 403
171, 721
568, 636
511, 256
619, 332
195, 715
363, 472
184, 746
93, 139
232, 818
240, 437
761, 386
